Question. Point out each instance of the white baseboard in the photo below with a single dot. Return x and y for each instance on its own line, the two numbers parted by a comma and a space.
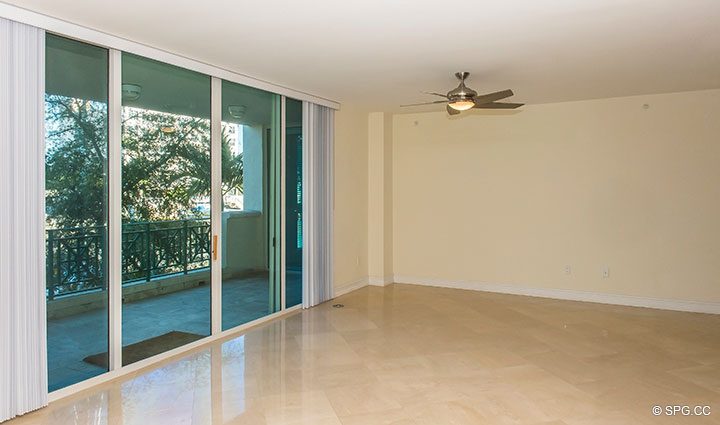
351, 286
380, 280
567, 294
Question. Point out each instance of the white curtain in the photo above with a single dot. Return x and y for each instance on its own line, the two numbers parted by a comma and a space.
23, 365
318, 140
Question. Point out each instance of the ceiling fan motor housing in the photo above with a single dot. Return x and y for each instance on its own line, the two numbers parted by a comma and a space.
461, 92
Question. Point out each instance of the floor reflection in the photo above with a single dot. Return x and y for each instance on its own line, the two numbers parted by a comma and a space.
412, 355
72, 338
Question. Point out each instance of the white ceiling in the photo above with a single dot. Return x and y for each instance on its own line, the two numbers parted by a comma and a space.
380, 53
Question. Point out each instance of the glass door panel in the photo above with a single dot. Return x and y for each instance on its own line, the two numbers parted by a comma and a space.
165, 207
76, 200
293, 202
249, 216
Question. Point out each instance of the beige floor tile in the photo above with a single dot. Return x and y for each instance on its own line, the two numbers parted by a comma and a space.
361, 399
386, 417
412, 355
706, 376
298, 408
455, 413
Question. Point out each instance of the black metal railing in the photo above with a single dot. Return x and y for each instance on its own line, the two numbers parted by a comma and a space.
76, 261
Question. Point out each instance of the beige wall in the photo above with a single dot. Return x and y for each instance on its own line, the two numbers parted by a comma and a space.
513, 197
351, 197
380, 260
388, 232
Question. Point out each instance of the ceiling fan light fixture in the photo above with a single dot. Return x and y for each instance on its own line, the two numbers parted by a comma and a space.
131, 91
462, 105
237, 111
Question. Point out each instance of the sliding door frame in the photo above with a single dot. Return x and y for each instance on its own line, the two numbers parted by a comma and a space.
115, 299
115, 208
216, 259
281, 200
274, 211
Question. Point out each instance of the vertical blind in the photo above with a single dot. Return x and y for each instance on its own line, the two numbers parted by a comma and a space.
318, 137
23, 366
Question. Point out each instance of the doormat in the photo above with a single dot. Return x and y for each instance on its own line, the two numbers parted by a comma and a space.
147, 348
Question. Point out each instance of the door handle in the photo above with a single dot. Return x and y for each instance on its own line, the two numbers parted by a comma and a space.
215, 239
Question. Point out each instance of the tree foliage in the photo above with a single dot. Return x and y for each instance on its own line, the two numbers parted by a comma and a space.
165, 163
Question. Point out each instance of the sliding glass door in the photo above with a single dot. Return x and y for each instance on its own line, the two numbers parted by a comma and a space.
165, 207
131, 158
250, 214
76, 199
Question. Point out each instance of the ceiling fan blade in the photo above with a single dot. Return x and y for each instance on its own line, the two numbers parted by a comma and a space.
492, 97
434, 94
452, 111
426, 103
499, 105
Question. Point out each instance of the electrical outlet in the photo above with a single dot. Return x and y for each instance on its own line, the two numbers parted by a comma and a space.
605, 272
568, 269
357, 260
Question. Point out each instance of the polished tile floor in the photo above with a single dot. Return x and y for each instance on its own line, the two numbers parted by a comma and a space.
412, 355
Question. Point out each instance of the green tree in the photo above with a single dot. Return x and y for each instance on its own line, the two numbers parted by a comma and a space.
76, 149
166, 163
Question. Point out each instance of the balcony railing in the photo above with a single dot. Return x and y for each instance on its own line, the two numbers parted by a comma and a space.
76, 260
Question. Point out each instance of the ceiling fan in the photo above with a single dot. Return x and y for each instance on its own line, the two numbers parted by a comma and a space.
463, 98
